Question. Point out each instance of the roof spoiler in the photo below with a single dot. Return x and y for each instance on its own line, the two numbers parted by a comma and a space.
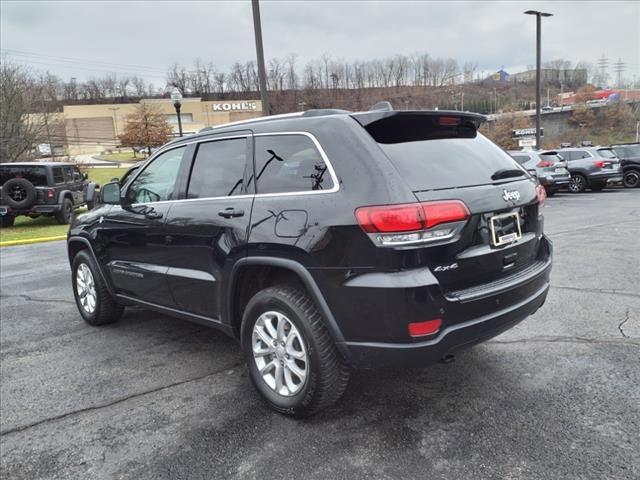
414, 125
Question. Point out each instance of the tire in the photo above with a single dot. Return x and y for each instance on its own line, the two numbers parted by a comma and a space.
597, 187
578, 183
105, 309
7, 220
64, 216
18, 193
631, 179
326, 374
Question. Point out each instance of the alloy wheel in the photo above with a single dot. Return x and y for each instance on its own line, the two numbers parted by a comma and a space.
280, 353
86, 288
577, 184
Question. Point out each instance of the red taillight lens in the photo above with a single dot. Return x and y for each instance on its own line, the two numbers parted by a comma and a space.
542, 194
421, 329
410, 217
599, 164
544, 163
50, 193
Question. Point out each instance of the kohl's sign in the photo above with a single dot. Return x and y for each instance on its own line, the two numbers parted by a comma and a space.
235, 106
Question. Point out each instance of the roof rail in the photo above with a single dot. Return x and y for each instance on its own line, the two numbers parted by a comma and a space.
382, 107
321, 112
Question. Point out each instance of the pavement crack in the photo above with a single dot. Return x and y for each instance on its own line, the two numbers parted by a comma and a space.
626, 319
608, 291
114, 402
561, 339
29, 298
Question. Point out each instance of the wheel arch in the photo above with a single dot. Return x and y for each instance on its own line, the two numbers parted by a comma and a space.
76, 244
65, 194
281, 269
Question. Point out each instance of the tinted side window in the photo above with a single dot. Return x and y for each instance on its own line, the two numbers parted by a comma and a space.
157, 181
68, 174
582, 154
218, 170
58, 177
77, 176
289, 163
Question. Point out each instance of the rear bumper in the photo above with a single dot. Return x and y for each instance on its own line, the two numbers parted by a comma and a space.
36, 209
605, 177
449, 340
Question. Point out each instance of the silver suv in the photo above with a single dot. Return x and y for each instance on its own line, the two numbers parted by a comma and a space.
550, 168
590, 167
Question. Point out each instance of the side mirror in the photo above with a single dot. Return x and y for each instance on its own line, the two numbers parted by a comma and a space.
111, 193
85, 176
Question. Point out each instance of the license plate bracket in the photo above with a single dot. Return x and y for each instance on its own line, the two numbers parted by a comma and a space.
505, 228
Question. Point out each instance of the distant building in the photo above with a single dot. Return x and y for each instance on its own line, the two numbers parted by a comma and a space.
81, 129
569, 77
94, 128
499, 78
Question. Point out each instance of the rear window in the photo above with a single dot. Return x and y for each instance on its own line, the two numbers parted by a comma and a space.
448, 162
607, 153
36, 174
520, 158
551, 157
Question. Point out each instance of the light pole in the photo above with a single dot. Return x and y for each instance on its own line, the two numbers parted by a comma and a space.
115, 120
539, 16
257, 28
176, 96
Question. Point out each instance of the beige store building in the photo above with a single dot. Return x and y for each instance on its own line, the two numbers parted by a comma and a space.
94, 128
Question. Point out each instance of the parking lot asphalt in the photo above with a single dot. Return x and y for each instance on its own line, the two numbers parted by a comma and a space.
152, 397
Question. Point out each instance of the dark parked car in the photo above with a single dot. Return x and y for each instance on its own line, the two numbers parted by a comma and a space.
590, 167
629, 155
43, 188
322, 241
550, 168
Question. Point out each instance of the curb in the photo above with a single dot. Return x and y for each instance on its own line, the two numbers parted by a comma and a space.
10, 243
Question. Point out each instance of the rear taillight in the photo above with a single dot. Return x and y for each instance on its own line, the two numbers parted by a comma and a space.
422, 329
599, 164
411, 223
544, 163
50, 193
542, 194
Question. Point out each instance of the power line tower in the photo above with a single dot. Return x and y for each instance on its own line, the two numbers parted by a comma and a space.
603, 64
619, 68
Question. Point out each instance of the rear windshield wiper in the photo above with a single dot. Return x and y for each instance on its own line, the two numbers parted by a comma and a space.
507, 173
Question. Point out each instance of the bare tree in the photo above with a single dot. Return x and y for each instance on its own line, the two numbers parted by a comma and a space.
25, 111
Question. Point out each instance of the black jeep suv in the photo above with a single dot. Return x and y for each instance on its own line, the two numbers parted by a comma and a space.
322, 241
43, 188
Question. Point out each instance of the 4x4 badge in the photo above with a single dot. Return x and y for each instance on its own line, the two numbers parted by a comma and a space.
510, 195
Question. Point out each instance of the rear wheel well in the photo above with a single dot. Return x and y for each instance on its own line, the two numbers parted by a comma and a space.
253, 278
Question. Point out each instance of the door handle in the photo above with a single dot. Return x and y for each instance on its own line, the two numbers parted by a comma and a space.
153, 215
231, 212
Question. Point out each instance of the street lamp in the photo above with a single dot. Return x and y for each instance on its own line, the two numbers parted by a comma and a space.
176, 96
539, 16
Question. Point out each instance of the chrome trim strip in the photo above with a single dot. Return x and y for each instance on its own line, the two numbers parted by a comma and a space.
332, 173
191, 274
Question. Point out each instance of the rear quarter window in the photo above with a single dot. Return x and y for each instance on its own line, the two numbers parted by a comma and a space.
290, 164
448, 162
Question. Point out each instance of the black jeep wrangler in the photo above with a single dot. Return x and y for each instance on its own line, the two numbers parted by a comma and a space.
322, 241
46, 188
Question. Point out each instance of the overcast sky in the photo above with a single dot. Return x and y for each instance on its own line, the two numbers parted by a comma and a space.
144, 38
